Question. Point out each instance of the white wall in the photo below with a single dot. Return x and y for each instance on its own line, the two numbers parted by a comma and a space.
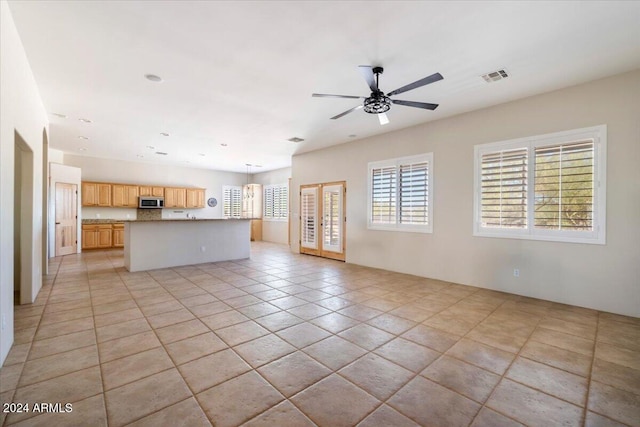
68, 175
22, 111
118, 171
605, 277
274, 231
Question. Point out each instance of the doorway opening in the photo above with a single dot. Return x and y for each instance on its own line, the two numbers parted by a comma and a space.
323, 220
23, 222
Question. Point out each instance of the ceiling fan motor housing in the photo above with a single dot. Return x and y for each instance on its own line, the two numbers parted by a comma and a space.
377, 103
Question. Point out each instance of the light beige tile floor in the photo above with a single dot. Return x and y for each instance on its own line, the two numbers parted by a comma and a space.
290, 340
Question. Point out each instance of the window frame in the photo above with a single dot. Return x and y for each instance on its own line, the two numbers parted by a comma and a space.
231, 188
595, 236
267, 187
397, 163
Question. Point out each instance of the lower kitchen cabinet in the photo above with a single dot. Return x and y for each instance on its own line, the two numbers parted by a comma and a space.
102, 236
118, 235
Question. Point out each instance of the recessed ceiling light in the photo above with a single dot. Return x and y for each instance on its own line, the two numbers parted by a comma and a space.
353, 135
151, 147
164, 134
83, 149
201, 154
82, 137
140, 156
153, 78
224, 145
62, 116
248, 164
257, 166
85, 120
161, 153
295, 139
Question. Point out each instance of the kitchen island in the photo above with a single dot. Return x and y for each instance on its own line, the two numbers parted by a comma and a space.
154, 244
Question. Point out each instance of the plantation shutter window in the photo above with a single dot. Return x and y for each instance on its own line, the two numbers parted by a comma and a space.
546, 187
231, 201
400, 192
268, 202
383, 208
504, 189
414, 193
276, 202
564, 187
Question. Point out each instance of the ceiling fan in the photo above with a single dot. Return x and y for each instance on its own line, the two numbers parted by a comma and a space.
379, 103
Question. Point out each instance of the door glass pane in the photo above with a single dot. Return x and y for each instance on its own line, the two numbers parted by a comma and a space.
308, 209
332, 218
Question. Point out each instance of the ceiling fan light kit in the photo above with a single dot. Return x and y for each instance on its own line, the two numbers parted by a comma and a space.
379, 102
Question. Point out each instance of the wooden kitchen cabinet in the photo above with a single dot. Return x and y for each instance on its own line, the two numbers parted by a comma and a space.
195, 198
175, 197
97, 236
256, 230
96, 194
124, 196
89, 237
118, 235
151, 191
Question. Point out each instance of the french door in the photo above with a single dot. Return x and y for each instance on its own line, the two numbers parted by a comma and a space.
323, 220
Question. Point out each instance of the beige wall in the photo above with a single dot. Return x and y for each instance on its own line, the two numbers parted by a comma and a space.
606, 277
274, 231
21, 111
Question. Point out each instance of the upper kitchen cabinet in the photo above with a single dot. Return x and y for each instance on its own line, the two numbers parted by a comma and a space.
148, 190
125, 196
195, 198
175, 197
96, 194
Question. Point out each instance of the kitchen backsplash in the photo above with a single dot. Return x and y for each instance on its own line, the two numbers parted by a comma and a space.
147, 214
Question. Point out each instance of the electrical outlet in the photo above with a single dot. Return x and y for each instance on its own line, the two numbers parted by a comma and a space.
4, 321
203, 248
97, 215
516, 272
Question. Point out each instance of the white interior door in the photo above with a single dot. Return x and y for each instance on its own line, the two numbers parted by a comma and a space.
332, 217
66, 219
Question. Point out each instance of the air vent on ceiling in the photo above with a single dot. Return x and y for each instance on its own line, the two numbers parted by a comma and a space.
494, 76
295, 139
161, 153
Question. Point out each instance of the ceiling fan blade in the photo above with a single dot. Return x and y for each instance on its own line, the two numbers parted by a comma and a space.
324, 95
424, 105
346, 112
427, 80
367, 73
382, 117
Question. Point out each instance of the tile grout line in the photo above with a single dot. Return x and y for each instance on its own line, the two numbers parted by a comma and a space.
163, 348
6, 422
95, 334
418, 374
503, 376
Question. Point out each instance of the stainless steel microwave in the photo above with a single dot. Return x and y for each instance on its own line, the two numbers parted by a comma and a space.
150, 203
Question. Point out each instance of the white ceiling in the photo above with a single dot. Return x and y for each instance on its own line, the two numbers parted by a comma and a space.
242, 73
